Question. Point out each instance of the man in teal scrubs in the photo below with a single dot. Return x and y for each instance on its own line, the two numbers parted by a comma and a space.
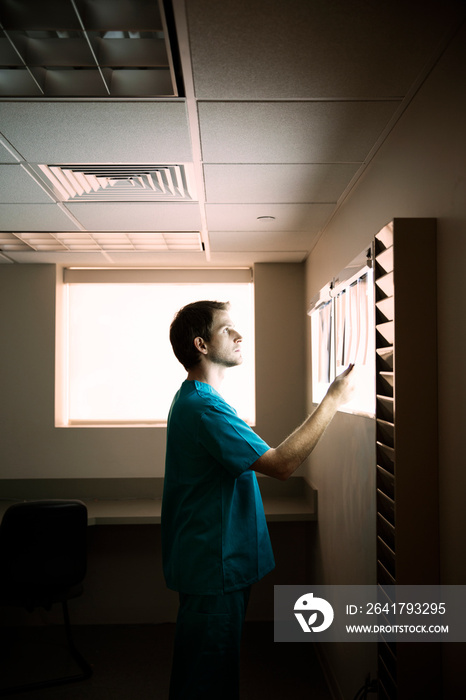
215, 541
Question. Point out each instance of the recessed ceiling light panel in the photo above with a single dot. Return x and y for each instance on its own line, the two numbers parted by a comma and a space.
109, 48
87, 242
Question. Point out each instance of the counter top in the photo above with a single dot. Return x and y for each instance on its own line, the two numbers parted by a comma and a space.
147, 511
289, 501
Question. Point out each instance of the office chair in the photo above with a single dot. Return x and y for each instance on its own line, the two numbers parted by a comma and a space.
43, 556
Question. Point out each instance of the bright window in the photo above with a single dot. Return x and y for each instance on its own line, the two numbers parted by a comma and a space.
119, 367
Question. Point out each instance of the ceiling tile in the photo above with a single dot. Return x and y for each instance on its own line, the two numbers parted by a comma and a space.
319, 49
291, 132
17, 186
96, 132
277, 183
34, 217
165, 259
331, 74
136, 216
288, 217
271, 241
250, 258
6, 155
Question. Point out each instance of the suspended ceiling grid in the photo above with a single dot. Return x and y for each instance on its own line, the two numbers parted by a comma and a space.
280, 109
85, 48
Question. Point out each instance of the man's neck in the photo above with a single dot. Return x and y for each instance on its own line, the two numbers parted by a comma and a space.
208, 373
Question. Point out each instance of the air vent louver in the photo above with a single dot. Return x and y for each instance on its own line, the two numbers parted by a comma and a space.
120, 182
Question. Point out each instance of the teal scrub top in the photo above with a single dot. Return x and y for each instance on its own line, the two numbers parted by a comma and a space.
214, 533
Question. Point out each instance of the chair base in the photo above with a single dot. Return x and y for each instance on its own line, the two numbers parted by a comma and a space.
85, 668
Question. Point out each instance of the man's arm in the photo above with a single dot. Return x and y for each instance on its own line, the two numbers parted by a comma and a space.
280, 462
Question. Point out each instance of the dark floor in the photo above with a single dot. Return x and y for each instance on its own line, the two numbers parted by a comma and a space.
133, 663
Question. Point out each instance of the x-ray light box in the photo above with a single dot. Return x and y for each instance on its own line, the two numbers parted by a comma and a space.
342, 333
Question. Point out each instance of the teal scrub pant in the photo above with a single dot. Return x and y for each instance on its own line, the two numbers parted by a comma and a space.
207, 646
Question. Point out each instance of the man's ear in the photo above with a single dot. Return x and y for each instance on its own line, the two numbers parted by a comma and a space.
200, 345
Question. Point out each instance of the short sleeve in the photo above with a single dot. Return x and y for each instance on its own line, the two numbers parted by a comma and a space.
230, 440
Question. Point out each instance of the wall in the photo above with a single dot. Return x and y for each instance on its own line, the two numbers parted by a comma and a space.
280, 349
343, 550
124, 583
32, 448
420, 171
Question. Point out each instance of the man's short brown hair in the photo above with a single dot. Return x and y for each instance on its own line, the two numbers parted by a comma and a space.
193, 321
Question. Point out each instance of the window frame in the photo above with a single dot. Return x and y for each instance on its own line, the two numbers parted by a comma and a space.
169, 276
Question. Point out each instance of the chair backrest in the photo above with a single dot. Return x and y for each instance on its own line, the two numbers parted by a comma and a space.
44, 543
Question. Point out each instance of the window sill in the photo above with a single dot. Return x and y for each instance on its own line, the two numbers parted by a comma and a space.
112, 424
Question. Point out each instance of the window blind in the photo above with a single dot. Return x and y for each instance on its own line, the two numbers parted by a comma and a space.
242, 275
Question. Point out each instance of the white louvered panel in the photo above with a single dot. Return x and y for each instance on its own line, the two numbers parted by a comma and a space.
116, 182
10, 242
89, 242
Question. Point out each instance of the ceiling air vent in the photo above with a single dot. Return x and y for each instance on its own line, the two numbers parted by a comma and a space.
120, 182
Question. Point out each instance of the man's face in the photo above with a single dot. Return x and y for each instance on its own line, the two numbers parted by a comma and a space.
224, 346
